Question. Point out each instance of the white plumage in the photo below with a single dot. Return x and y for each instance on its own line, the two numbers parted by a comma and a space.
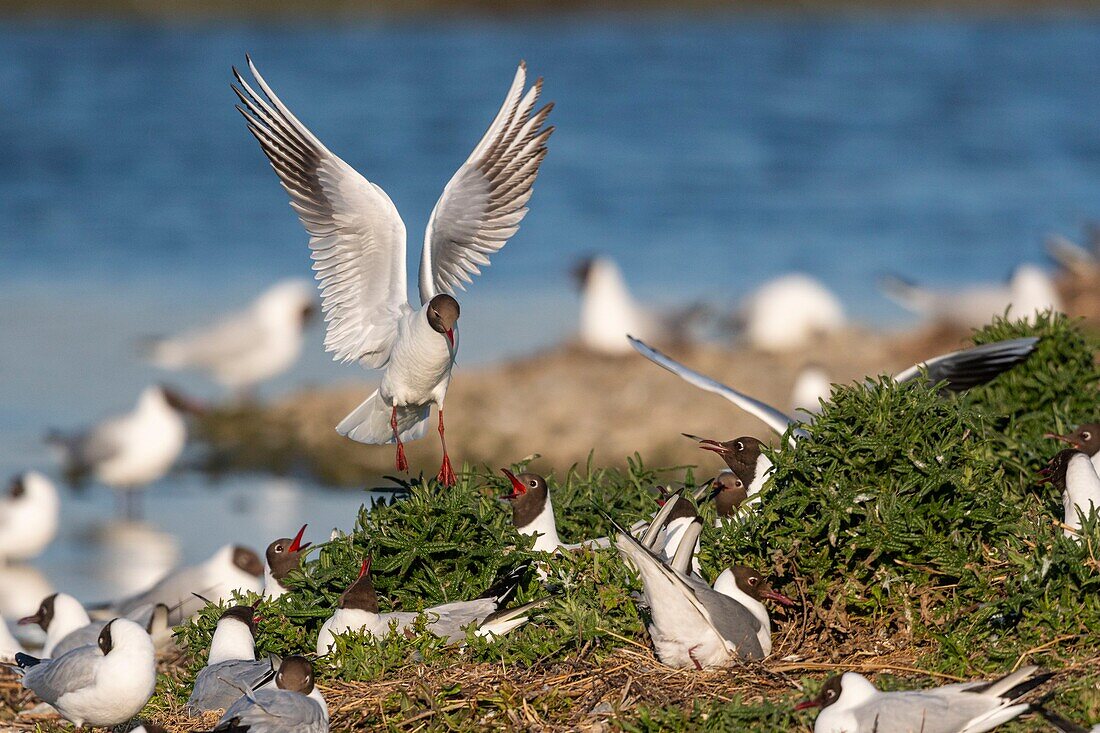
609, 312
788, 312
28, 516
1030, 290
357, 243
243, 349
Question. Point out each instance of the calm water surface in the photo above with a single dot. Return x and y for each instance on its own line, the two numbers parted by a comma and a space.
705, 155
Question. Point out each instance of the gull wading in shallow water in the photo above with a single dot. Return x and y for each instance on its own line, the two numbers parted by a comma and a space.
959, 370
357, 243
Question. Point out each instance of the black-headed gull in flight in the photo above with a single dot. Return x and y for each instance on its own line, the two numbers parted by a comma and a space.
243, 349
960, 370
357, 240
102, 684
851, 704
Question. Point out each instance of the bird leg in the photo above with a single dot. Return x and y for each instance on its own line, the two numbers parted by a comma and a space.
446, 473
691, 656
402, 462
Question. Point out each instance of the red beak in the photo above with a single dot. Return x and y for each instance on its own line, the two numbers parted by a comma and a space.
807, 705
366, 566
28, 620
1063, 438
296, 545
450, 334
778, 598
713, 445
518, 489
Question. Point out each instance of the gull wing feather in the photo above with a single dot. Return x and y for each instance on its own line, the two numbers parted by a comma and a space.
773, 418
70, 672
356, 236
971, 367
484, 202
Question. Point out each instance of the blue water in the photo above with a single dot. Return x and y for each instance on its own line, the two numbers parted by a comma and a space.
704, 154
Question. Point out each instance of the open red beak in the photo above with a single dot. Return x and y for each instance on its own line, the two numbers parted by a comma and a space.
366, 566
27, 620
518, 489
778, 598
450, 334
807, 705
296, 545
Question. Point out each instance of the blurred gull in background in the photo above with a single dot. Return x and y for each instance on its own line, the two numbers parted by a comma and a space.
811, 386
28, 516
609, 312
245, 348
128, 452
1029, 290
789, 313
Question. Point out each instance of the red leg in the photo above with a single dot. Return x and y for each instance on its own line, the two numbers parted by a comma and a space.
402, 462
691, 656
446, 473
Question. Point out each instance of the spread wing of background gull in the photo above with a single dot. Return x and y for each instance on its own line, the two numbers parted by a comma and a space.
357, 243
960, 370
773, 418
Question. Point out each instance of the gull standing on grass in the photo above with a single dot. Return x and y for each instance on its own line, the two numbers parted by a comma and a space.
357, 243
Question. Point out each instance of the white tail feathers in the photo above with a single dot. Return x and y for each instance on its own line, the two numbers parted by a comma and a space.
370, 422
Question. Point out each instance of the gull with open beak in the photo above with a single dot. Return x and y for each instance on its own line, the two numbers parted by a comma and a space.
357, 240
283, 555
1086, 438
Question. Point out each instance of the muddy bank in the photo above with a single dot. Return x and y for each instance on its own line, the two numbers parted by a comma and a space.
562, 404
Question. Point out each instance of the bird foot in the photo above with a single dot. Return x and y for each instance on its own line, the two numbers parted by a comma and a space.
402, 462
446, 473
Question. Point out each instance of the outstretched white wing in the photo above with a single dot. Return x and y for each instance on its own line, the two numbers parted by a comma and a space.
776, 420
484, 202
356, 236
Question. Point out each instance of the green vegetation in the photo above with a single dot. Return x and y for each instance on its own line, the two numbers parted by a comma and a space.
910, 526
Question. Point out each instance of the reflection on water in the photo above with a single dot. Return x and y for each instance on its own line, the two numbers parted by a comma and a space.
97, 557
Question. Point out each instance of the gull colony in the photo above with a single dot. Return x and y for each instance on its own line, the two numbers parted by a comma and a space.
96, 664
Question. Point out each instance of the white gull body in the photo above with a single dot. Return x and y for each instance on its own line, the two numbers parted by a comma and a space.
789, 312
357, 240
1082, 493
969, 707
1030, 290
28, 516
104, 684
132, 450
609, 312
230, 568
243, 349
